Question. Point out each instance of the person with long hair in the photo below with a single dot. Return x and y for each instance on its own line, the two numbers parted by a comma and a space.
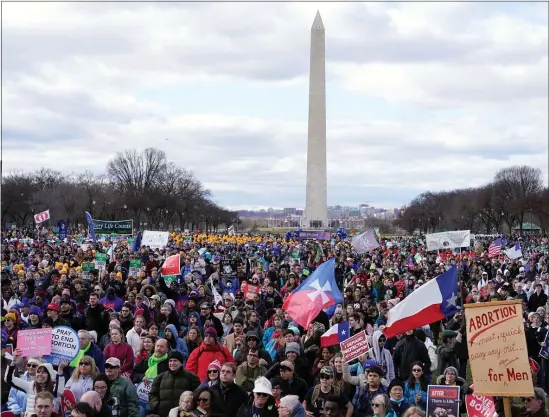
101, 385
205, 403
82, 377
193, 338
119, 349
46, 380
415, 388
382, 407
147, 349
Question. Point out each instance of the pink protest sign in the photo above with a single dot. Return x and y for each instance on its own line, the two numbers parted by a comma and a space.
35, 342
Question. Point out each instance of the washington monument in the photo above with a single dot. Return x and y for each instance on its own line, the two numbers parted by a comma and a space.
316, 213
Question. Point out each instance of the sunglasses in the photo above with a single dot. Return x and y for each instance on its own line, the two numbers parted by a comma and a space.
528, 399
213, 371
203, 400
261, 394
377, 405
32, 365
324, 376
111, 367
84, 364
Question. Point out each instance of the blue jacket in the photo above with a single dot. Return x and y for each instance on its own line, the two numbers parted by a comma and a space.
180, 344
17, 400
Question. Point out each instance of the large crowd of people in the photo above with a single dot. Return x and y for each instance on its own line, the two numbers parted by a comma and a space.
168, 346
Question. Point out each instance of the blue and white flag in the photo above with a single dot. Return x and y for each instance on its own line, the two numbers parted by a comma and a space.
62, 233
515, 252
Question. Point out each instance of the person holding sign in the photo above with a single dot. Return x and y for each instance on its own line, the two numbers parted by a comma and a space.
46, 381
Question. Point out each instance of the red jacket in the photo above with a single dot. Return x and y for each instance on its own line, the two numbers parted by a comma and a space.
201, 357
123, 352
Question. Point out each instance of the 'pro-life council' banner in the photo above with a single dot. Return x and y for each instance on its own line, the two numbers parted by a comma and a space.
448, 240
497, 349
119, 227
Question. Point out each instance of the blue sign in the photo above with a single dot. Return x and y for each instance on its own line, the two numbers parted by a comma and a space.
62, 232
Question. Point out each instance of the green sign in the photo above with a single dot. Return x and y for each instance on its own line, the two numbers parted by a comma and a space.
120, 227
101, 260
170, 278
87, 267
135, 267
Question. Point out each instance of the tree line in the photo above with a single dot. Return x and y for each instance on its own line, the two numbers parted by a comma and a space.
143, 186
515, 196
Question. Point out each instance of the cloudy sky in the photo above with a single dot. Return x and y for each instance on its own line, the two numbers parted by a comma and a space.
420, 96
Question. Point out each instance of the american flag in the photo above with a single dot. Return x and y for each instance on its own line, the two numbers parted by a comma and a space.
495, 248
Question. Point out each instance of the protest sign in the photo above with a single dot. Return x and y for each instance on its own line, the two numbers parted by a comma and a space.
228, 268
172, 265
101, 261
65, 345
497, 349
35, 342
143, 392
135, 267
155, 239
544, 351
442, 400
68, 400
249, 290
120, 227
480, 405
354, 346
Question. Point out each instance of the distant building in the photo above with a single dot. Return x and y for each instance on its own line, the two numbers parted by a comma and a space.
289, 211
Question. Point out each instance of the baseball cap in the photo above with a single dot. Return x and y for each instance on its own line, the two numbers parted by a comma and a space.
114, 362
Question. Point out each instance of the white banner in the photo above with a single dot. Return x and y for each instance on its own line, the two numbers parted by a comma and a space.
155, 239
448, 240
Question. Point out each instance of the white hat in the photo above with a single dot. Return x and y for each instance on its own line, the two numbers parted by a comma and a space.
112, 361
49, 368
262, 385
35, 361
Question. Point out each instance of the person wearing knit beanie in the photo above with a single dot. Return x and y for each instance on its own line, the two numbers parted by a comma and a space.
215, 365
292, 347
210, 331
175, 354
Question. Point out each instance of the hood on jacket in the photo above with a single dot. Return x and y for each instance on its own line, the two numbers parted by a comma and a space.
172, 329
198, 322
375, 339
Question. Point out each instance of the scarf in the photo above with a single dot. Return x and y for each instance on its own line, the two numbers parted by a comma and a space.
153, 362
75, 362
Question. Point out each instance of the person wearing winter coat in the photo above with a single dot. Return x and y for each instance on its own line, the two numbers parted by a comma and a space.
261, 403
168, 386
17, 400
231, 395
111, 301
447, 352
96, 317
397, 400
382, 356
81, 380
148, 369
290, 407
206, 353
249, 371
409, 349
175, 342
450, 377
120, 350
133, 336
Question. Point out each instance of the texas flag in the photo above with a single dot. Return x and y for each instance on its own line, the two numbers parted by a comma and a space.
317, 292
335, 335
429, 303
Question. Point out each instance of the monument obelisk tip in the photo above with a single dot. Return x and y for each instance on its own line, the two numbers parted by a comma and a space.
317, 24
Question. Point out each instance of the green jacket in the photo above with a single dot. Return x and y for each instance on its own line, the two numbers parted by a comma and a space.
126, 393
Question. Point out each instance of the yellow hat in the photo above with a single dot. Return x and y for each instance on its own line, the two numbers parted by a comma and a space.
21, 273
